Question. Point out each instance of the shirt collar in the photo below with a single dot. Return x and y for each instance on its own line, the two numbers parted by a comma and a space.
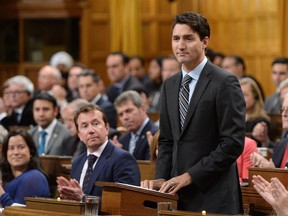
50, 127
99, 151
96, 99
138, 132
195, 73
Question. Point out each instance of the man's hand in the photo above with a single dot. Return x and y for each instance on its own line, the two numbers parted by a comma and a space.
259, 161
174, 184
152, 184
69, 189
116, 142
171, 186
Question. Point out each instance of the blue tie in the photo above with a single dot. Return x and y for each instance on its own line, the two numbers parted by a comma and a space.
41, 147
91, 160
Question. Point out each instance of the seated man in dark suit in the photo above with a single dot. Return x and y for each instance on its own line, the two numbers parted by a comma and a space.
88, 86
108, 163
119, 75
132, 114
20, 90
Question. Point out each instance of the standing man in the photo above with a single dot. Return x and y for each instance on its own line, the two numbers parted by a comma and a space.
198, 150
102, 161
273, 103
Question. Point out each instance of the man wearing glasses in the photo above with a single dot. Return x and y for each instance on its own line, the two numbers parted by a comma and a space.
19, 92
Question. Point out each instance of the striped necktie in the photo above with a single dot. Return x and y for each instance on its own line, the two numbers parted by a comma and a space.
184, 99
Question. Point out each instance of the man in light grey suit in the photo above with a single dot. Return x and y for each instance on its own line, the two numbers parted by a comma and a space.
45, 111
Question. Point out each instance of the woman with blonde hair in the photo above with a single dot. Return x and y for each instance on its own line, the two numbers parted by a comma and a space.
257, 120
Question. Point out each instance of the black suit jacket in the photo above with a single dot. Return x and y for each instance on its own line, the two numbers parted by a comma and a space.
209, 144
109, 110
25, 120
131, 84
142, 149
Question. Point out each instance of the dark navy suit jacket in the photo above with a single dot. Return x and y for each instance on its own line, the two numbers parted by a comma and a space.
131, 84
114, 165
279, 152
142, 149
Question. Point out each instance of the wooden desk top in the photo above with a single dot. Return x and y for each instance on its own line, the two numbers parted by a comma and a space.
185, 213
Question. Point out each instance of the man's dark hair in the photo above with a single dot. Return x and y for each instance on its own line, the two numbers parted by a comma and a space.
239, 60
91, 73
280, 60
88, 109
45, 96
125, 58
139, 58
197, 23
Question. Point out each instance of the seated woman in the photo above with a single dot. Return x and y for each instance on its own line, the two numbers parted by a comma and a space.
257, 121
21, 173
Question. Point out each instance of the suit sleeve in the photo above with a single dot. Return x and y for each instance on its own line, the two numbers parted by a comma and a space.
126, 170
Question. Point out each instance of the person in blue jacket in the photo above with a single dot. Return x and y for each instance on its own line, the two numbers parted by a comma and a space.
22, 175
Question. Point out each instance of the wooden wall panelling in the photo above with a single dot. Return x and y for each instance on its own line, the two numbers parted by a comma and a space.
249, 28
98, 36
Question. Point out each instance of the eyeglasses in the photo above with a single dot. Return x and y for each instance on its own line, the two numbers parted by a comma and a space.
15, 92
283, 109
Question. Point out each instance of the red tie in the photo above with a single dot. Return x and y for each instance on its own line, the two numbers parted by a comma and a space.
285, 158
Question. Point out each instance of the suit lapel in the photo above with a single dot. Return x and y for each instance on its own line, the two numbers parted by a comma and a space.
142, 138
174, 97
197, 94
53, 138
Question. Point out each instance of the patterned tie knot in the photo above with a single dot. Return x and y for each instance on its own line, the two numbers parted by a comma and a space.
91, 160
187, 80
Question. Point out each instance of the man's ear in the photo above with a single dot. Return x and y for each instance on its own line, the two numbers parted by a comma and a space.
205, 42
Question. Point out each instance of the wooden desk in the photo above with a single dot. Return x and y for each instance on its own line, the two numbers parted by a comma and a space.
268, 173
48, 207
184, 213
130, 200
24, 211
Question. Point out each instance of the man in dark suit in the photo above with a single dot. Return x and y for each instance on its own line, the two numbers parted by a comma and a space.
201, 126
112, 164
89, 89
132, 114
273, 102
20, 90
45, 110
119, 75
